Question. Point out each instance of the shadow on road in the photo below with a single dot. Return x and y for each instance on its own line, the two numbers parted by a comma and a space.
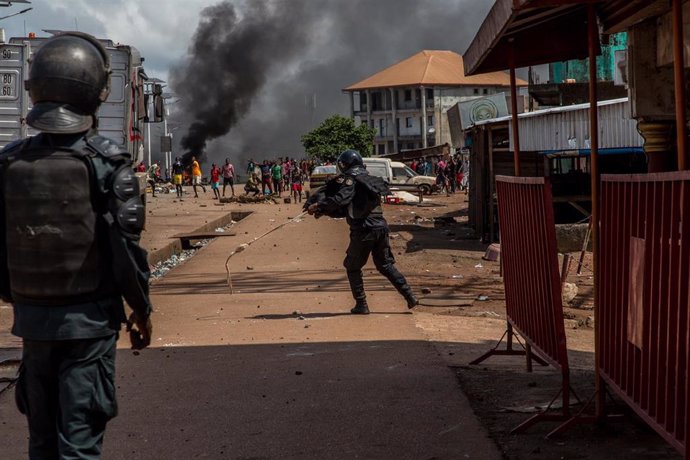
323, 315
249, 282
356, 399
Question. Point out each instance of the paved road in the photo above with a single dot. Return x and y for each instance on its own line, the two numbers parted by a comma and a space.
241, 376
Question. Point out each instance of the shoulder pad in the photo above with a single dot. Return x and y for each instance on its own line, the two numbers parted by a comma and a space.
106, 147
13, 147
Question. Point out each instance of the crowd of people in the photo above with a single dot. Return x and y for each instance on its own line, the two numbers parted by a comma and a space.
274, 177
288, 175
452, 175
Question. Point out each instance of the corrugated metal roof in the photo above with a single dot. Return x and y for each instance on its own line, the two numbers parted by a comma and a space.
567, 128
431, 68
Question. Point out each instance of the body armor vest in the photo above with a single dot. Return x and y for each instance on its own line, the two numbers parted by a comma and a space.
367, 200
56, 241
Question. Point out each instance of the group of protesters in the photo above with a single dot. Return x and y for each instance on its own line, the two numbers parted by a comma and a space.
451, 174
284, 174
273, 177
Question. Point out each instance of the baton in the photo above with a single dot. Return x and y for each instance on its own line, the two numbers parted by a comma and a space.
244, 246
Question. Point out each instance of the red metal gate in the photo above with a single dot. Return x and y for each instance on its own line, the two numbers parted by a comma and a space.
531, 275
643, 297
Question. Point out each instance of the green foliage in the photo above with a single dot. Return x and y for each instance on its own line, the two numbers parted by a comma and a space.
336, 134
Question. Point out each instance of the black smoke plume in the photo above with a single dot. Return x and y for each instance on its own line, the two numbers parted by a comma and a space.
261, 73
228, 63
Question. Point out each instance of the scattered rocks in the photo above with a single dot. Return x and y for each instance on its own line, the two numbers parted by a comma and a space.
569, 292
162, 268
426, 291
571, 323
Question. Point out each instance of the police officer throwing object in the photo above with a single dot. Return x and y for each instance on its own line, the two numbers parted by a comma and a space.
356, 195
70, 217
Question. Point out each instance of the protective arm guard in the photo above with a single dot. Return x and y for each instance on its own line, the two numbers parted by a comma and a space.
318, 195
339, 194
125, 219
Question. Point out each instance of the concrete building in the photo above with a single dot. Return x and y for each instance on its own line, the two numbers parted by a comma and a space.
407, 103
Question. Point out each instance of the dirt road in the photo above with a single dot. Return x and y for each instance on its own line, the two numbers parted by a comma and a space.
280, 369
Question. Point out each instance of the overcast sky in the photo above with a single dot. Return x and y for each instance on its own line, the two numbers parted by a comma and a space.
350, 40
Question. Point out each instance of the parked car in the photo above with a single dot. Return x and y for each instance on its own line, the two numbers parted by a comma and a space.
320, 175
400, 176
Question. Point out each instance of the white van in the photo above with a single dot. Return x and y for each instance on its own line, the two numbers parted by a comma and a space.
399, 176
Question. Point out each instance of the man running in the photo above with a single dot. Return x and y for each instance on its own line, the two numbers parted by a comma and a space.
196, 177
229, 176
178, 171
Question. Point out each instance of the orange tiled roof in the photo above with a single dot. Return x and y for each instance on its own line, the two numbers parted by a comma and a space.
431, 68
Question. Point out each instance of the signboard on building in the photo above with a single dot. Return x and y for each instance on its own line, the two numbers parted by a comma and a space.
484, 108
456, 134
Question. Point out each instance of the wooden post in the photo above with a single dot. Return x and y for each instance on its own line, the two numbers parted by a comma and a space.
594, 171
514, 108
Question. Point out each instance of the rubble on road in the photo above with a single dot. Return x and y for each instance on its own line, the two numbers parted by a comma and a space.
266, 199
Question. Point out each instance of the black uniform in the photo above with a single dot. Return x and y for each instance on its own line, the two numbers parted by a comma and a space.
356, 196
70, 220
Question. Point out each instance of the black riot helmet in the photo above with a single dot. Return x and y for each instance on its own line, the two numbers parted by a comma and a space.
68, 79
349, 159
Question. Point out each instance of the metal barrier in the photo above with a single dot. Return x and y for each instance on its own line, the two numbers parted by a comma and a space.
532, 281
643, 298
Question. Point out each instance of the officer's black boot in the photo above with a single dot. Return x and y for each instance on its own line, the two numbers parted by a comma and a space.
411, 299
400, 283
357, 288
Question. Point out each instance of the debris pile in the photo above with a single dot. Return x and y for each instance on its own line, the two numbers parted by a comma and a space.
267, 199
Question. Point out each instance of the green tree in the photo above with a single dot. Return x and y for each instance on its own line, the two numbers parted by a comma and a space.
336, 134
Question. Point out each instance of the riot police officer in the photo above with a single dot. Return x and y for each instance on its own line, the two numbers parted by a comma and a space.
70, 220
356, 195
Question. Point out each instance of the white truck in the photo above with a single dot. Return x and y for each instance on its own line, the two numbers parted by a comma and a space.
400, 176
120, 118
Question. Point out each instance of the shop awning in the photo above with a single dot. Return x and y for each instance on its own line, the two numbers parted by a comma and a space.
544, 31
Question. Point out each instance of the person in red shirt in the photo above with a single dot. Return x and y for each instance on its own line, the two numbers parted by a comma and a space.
215, 180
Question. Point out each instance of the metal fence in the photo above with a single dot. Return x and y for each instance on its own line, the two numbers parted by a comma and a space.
531, 275
643, 297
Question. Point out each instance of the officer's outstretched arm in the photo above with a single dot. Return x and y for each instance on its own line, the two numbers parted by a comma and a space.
341, 198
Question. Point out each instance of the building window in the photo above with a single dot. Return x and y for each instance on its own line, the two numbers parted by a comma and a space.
381, 128
408, 95
408, 122
430, 120
476, 91
382, 149
486, 91
410, 146
429, 94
